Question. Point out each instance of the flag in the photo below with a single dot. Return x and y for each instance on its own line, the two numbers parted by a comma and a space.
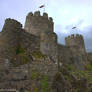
74, 27
41, 6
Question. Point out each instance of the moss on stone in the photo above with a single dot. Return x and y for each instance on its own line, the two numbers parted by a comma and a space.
69, 72
20, 50
35, 74
45, 84
44, 80
22, 57
76, 90
57, 75
36, 89
28, 91
38, 55
88, 67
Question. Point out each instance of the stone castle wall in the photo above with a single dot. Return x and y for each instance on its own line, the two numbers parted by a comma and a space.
65, 54
33, 74
41, 52
36, 24
38, 36
16, 45
29, 42
48, 44
9, 38
41, 26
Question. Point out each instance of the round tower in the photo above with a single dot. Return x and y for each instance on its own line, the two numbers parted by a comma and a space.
76, 41
36, 24
77, 47
9, 38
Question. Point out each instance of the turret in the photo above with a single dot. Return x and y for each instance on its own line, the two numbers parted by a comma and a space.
75, 40
77, 46
36, 24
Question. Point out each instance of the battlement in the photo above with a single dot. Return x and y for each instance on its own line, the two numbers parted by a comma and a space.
36, 24
37, 14
13, 22
10, 38
11, 25
74, 36
74, 40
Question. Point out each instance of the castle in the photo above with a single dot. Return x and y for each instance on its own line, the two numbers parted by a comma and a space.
38, 37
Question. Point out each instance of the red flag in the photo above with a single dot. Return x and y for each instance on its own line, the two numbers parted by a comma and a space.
41, 6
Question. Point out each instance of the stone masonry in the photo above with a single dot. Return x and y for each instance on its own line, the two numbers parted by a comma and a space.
33, 51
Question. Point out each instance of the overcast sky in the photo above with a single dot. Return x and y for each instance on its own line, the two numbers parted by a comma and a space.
66, 14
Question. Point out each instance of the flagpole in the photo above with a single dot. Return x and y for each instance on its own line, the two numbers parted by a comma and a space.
42, 7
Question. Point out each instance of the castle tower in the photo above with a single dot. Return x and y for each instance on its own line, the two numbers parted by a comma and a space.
77, 46
36, 24
48, 44
76, 41
9, 38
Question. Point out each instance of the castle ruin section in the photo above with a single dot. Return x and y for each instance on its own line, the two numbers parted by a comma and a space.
9, 38
36, 24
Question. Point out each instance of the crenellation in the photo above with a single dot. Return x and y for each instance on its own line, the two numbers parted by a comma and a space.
13, 22
79, 36
72, 36
37, 13
45, 15
30, 14
39, 23
50, 19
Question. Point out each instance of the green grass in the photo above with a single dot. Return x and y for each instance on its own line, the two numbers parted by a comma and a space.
45, 84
